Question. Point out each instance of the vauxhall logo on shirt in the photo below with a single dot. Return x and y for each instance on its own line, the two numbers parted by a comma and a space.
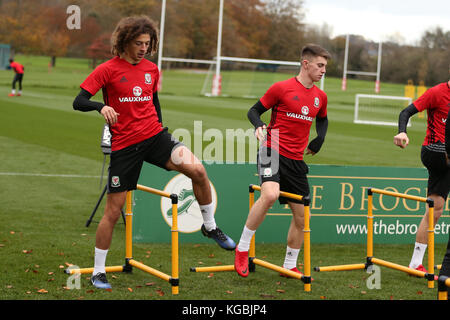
302, 116
137, 92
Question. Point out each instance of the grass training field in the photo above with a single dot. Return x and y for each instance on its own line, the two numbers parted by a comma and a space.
50, 167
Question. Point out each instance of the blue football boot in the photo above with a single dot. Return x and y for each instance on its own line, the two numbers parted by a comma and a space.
99, 281
221, 238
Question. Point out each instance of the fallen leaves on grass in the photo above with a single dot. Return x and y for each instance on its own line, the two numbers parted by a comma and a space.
160, 292
281, 291
27, 251
129, 289
42, 291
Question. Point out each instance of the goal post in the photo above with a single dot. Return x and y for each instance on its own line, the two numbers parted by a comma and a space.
379, 109
361, 73
249, 78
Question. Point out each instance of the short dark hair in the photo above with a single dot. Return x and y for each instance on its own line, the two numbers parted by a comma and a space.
11, 60
130, 28
314, 50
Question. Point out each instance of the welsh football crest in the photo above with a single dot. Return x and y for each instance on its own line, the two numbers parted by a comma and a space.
189, 215
148, 78
115, 181
316, 102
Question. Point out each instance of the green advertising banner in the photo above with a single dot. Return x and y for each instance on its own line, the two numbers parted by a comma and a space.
338, 205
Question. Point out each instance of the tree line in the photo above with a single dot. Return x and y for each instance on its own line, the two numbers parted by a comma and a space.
261, 29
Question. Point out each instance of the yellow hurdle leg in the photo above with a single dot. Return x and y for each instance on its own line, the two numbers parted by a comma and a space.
306, 249
431, 244
370, 225
129, 226
91, 270
174, 280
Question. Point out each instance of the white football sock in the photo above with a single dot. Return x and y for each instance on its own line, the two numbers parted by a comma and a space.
417, 257
99, 261
208, 216
290, 260
246, 238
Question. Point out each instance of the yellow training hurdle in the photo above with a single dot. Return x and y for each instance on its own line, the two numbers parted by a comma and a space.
306, 277
370, 259
129, 261
443, 285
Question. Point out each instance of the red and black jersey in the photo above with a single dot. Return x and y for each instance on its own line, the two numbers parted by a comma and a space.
129, 90
17, 67
294, 108
436, 101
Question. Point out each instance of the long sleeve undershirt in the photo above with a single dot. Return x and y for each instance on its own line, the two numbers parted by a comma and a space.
82, 103
404, 116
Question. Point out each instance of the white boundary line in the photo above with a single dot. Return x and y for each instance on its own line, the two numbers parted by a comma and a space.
46, 175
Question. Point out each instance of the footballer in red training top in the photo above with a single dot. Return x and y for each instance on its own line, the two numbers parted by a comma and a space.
129, 90
294, 108
18, 77
295, 104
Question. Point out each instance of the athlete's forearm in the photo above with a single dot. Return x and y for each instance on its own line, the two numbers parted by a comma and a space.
321, 129
254, 114
157, 106
82, 102
404, 116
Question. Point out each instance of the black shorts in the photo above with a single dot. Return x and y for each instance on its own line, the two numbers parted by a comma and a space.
289, 173
126, 164
18, 77
438, 172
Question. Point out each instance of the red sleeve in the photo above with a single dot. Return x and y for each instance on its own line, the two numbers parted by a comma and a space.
96, 80
323, 109
13, 65
272, 96
425, 101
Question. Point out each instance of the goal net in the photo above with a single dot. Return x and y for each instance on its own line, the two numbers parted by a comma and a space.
248, 78
380, 110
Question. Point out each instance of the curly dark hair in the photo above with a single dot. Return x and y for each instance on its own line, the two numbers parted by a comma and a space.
130, 28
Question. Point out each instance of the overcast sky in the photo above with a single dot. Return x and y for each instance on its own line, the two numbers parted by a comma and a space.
380, 19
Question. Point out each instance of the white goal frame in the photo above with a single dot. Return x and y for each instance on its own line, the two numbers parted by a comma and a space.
216, 90
362, 73
373, 96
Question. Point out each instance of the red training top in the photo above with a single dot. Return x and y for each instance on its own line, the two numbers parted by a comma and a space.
294, 108
18, 68
129, 90
437, 102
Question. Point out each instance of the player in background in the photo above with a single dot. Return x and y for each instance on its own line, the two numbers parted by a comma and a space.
295, 103
436, 101
18, 77
131, 108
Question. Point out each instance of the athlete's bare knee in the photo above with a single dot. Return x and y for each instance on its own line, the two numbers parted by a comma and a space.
198, 174
270, 196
